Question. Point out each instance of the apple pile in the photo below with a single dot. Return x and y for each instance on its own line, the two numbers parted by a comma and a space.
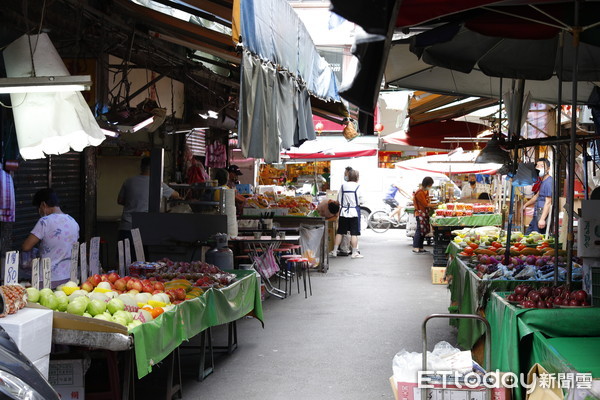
191, 271
548, 297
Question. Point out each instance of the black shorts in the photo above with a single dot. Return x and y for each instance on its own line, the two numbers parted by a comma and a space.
351, 225
391, 202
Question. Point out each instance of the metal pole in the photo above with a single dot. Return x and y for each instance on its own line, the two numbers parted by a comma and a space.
585, 157
557, 159
518, 102
156, 178
571, 169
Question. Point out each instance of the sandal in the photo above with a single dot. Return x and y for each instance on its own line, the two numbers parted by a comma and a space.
422, 251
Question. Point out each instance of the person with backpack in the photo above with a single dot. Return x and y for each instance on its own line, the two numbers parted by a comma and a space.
421, 204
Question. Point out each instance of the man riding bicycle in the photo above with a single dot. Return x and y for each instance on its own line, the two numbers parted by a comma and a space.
390, 199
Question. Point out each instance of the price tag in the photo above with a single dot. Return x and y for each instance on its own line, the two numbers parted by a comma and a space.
127, 248
46, 273
137, 245
75, 262
11, 268
121, 258
35, 273
95, 255
83, 262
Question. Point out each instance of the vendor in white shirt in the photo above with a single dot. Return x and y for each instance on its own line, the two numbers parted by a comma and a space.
469, 188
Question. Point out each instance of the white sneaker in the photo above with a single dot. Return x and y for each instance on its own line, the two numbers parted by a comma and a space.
333, 253
357, 255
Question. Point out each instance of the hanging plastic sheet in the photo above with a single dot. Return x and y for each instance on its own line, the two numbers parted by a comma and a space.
285, 41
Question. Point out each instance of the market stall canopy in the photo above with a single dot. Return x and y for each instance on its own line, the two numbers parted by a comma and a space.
404, 70
323, 150
427, 107
457, 162
432, 135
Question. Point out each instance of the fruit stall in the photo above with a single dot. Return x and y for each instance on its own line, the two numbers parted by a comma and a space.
451, 216
562, 340
147, 314
476, 269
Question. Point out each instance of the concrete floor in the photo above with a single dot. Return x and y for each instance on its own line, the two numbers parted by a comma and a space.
339, 343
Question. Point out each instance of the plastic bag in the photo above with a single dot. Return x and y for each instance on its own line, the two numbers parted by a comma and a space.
528, 272
444, 357
310, 243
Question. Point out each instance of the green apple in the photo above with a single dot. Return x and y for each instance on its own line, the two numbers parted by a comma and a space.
76, 307
124, 314
96, 307
115, 305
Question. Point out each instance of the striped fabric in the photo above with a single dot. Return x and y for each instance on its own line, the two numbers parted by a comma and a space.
7, 197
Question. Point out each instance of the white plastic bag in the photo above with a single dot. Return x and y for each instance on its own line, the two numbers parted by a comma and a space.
310, 243
444, 357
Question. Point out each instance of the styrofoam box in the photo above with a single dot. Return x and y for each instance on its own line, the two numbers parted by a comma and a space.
43, 364
66, 373
70, 392
31, 330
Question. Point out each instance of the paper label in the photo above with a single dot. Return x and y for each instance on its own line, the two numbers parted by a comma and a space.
35, 273
137, 245
121, 259
11, 268
83, 262
127, 248
95, 255
46, 273
75, 262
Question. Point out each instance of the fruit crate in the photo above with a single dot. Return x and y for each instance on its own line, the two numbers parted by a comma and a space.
595, 286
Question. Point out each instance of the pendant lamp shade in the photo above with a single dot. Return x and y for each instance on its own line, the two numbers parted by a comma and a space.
493, 153
49, 122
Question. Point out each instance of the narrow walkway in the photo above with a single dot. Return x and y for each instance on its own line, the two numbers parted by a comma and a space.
339, 343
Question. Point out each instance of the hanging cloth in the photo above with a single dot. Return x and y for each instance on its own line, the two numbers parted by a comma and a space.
7, 197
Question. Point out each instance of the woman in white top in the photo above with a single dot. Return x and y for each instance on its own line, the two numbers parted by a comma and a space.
349, 198
56, 232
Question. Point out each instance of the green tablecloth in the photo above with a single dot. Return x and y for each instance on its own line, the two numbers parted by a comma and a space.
469, 294
566, 354
155, 340
472, 220
512, 325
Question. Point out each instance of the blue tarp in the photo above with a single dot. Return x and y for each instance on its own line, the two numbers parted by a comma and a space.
272, 30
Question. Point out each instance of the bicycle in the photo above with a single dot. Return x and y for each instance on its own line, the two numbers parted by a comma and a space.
380, 221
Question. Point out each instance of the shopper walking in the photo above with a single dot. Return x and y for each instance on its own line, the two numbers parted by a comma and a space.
421, 204
349, 198
56, 232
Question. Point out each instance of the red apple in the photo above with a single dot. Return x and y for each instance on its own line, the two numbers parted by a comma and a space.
581, 295
585, 304
541, 304
171, 294
104, 278
549, 304
87, 286
147, 287
134, 284
156, 291
121, 284
574, 303
95, 279
180, 293
127, 278
113, 277
159, 286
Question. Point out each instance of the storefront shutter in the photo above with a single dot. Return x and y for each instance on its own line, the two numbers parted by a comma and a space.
63, 174
196, 142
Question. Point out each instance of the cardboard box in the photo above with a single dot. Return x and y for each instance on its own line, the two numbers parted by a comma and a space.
43, 365
438, 275
410, 391
67, 377
31, 330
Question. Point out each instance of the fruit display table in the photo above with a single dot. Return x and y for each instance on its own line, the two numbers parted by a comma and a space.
156, 339
472, 220
469, 294
523, 336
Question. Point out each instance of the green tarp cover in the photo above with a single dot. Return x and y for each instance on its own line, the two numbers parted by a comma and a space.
472, 220
510, 325
567, 354
155, 340
469, 293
